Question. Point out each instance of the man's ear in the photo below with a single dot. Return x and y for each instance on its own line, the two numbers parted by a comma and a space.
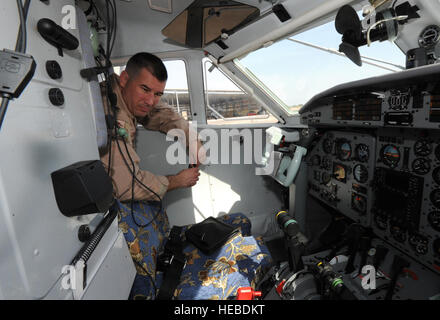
123, 78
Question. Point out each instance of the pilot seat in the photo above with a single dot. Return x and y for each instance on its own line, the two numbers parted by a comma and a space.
240, 262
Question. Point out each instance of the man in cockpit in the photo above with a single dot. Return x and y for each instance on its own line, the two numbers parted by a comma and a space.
142, 218
138, 90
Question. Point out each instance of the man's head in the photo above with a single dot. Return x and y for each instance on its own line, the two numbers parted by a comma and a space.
143, 83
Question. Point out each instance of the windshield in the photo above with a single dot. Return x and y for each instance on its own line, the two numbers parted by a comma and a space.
295, 71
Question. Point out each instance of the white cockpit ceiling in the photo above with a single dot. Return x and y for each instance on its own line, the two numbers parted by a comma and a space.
139, 27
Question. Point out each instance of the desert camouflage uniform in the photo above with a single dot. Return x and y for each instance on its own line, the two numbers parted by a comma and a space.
162, 118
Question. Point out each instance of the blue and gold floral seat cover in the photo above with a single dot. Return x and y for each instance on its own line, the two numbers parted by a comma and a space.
241, 262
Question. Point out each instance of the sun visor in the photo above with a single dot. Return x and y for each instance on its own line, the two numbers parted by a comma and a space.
205, 21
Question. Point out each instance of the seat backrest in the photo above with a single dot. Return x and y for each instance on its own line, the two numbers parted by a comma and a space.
146, 237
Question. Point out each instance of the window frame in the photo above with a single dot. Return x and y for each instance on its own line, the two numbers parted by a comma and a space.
244, 120
190, 108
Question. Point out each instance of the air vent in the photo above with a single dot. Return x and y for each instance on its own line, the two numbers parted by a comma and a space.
429, 36
368, 109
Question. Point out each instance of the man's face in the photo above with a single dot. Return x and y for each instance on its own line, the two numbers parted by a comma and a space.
141, 92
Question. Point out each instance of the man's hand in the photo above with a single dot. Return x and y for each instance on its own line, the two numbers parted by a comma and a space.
184, 179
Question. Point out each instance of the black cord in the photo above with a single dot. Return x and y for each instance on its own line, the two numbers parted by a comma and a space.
96, 10
114, 26
20, 46
133, 173
132, 190
134, 178
111, 27
3, 108
22, 37
111, 31
108, 33
149, 276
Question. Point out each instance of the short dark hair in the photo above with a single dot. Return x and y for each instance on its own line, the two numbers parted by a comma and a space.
148, 61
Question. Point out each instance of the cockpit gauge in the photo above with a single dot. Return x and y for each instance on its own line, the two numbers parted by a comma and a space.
327, 145
358, 203
399, 100
381, 221
436, 175
421, 166
422, 148
398, 233
326, 163
315, 160
419, 243
437, 152
362, 152
434, 220
390, 155
343, 149
340, 172
325, 178
360, 173
435, 197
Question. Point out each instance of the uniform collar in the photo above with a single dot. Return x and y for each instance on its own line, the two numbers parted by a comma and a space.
121, 102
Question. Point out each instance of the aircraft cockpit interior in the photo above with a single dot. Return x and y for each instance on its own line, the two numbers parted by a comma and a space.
321, 177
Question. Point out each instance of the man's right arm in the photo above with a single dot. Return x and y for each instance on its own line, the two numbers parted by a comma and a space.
184, 179
147, 185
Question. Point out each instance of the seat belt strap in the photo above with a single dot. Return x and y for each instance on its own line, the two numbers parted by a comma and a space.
172, 261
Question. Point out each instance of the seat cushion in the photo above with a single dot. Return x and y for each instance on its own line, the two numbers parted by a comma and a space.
238, 220
240, 262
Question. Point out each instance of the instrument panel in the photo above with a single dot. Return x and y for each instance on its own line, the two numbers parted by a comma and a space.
342, 167
387, 179
405, 107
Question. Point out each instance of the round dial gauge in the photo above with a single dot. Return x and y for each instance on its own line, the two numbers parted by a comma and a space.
434, 220
419, 243
437, 152
435, 197
360, 173
422, 148
359, 203
398, 233
343, 150
362, 152
339, 172
326, 163
327, 145
325, 178
421, 166
315, 160
390, 155
381, 221
436, 175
